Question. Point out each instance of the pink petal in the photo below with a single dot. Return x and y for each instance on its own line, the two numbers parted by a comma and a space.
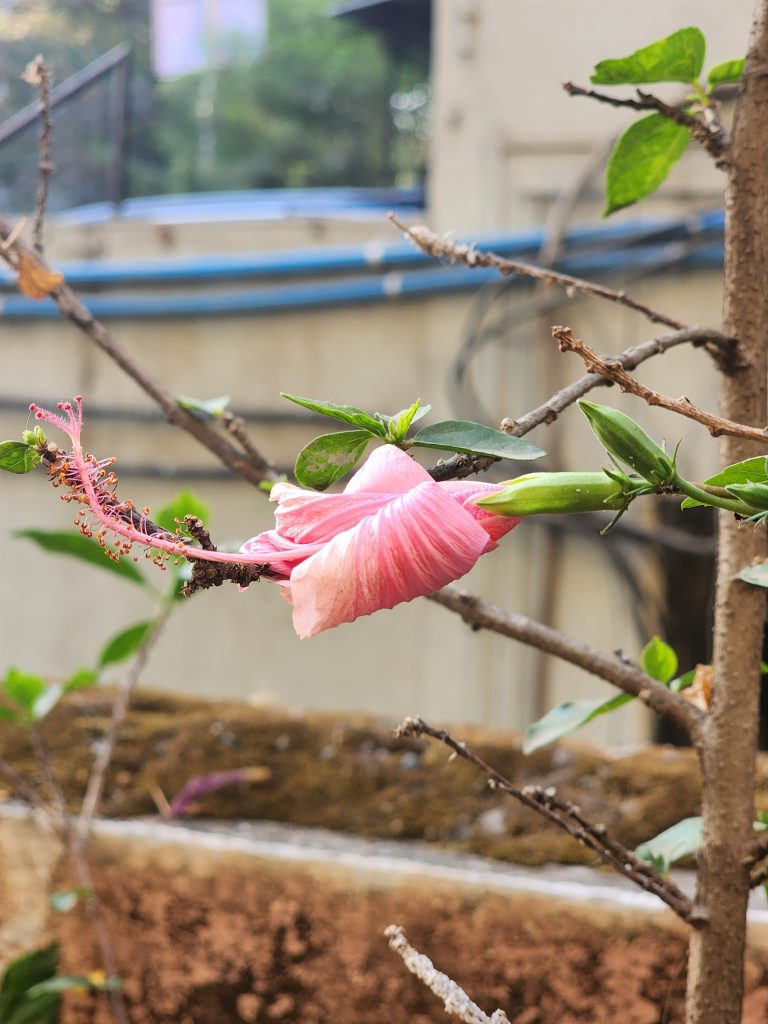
310, 517
280, 553
387, 469
418, 543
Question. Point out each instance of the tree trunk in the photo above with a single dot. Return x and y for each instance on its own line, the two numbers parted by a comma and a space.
715, 973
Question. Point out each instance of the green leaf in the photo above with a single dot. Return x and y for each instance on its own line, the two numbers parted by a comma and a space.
676, 58
66, 899
749, 471
641, 159
186, 503
18, 457
47, 701
8, 715
64, 983
728, 71
475, 439
757, 575
398, 424
30, 969
80, 679
658, 660
124, 644
32, 1008
204, 408
23, 689
684, 681
346, 413
329, 457
65, 542
566, 718
672, 845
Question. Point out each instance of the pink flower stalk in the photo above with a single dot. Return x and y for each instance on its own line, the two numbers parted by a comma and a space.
91, 483
394, 534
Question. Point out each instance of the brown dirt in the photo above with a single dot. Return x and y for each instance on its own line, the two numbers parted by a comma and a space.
271, 946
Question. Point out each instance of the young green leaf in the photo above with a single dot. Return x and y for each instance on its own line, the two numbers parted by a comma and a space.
749, 471
398, 425
204, 408
641, 159
676, 58
658, 660
186, 503
727, 72
80, 679
757, 575
346, 413
475, 439
66, 899
329, 457
684, 681
47, 701
23, 689
65, 542
566, 718
671, 845
124, 644
18, 457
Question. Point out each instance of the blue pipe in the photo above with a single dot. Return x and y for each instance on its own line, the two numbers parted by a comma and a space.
358, 259
390, 287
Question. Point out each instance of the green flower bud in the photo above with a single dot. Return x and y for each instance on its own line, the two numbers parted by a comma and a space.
753, 494
539, 493
629, 443
35, 437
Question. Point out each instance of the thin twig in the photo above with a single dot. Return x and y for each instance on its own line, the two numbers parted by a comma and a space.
76, 850
251, 466
624, 675
724, 351
456, 252
25, 791
97, 778
757, 850
568, 817
615, 372
38, 75
455, 999
713, 139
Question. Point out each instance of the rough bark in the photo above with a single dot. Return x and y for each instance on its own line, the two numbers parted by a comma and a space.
715, 981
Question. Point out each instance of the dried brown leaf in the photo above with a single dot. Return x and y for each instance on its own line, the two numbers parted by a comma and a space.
35, 280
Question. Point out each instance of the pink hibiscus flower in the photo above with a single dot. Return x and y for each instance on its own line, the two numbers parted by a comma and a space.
392, 535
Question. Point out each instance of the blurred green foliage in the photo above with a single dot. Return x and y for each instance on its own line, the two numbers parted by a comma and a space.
325, 105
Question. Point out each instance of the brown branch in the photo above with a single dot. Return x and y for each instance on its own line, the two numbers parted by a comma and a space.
615, 372
713, 139
455, 999
566, 816
724, 351
251, 466
444, 248
37, 74
624, 675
